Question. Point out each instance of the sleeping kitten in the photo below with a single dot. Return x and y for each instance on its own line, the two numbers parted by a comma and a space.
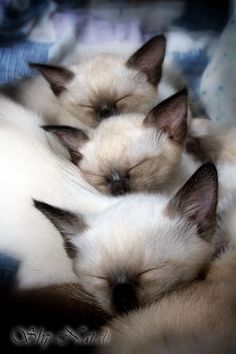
200, 318
145, 245
154, 152
135, 152
95, 88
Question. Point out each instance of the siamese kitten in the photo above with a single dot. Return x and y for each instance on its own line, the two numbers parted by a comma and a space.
135, 152
199, 318
154, 152
144, 246
31, 167
140, 152
95, 88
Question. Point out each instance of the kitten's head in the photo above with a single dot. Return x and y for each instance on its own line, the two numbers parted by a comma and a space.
145, 245
131, 152
108, 84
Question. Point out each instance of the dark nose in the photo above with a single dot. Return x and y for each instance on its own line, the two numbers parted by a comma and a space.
119, 187
124, 297
119, 184
106, 110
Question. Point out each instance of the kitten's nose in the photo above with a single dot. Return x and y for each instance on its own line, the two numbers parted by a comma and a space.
119, 184
106, 110
119, 188
123, 297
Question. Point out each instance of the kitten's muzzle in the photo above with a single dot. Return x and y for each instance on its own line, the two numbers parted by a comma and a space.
119, 184
124, 297
106, 110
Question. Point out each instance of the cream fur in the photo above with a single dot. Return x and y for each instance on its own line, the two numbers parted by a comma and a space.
121, 143
135, 235
171, 81
32, 169
137, 225
99, 74
155, 164
219, 141
200, 318
96, 78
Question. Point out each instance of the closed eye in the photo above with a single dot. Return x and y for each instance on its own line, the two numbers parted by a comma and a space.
138, 164
93, 174
86, 106
146, 271
122, 98
92, 107
96, 276
161, 266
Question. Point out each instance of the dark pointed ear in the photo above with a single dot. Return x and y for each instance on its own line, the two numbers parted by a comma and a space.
56, 76
197, 200
149, 58
72, 138
170, 116
68, 224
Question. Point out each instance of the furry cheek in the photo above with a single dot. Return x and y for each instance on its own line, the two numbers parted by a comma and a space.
84, 115
131, 103
99, 289
97, 182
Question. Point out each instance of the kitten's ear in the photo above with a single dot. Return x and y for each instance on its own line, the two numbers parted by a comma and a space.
149, 58
72, 138
67, 223
197, 200
170, 116
56, 76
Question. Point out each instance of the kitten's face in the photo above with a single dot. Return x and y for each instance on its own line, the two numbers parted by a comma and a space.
105, 86
132, 152
108, 84
125, 156
146, 251
144, 246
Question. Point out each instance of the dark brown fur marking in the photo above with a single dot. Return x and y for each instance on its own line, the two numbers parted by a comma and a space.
197, 200
72, 138
67, 223
56, 76
149, 58
170, 116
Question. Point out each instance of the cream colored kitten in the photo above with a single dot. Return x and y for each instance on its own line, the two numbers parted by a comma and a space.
96, 87
135, 152
154, 152
144, 246
200, 318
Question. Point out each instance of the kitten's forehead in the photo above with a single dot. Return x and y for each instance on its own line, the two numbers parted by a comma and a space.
136, 226
101, 59
136, 236
107, 75
123, 141
103, 70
